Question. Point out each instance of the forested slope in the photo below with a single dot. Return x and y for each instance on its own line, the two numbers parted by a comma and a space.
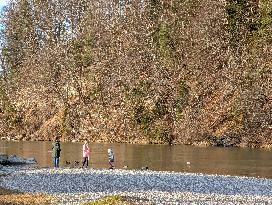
138, 71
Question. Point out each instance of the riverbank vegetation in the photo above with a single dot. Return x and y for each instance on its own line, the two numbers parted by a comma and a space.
143, 71
11, 197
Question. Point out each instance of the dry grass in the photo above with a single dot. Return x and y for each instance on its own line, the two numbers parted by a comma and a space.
10, 197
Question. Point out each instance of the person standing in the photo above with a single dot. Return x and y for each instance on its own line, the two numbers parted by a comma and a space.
111, 158
86, 154
56, 152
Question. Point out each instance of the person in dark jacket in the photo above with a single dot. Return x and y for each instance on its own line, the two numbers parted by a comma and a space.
56, 152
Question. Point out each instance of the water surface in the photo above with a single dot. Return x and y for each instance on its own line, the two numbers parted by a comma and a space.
181, 158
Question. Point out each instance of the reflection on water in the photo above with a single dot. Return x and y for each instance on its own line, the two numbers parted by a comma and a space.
211, 160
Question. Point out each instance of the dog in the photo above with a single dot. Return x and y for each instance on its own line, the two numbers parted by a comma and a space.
76, 164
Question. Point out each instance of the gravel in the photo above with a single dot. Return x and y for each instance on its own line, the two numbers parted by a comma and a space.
75, 186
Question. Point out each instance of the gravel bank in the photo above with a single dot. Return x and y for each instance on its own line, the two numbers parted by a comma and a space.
74, 186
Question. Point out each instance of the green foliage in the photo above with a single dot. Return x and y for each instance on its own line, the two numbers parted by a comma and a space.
155, 3
81, 51
160, 108
260, 25
153, 118
235, 10
161, 134
245, 17
93, 94
110, 200
143, 118
164, 44
265, 20
141, 90
5, 52
151, 122
182, 98
155, 9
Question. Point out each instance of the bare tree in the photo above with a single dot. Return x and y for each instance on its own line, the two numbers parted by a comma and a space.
153, 71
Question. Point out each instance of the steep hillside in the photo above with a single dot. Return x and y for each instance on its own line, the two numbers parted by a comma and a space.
154, 71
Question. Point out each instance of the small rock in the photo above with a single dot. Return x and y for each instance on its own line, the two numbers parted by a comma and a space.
13, 159
31, 160
3, 159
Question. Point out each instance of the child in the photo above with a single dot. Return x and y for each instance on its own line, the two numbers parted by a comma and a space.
86, 154
111, 158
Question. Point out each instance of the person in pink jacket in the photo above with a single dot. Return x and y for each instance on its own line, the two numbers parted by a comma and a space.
86, 154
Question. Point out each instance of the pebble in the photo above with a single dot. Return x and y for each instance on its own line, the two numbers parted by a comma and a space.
77, 186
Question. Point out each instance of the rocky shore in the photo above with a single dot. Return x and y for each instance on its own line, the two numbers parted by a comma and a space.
77, 186
15, 160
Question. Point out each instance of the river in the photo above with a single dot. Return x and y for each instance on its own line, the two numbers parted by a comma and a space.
179, 158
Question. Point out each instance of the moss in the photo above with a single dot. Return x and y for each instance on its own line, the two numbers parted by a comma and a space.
265, 20
143, 117
140, 91
247, 19
81, 51
162, 134
110, 200
152, 116
93, 94
235, 11
155, 9
182, 98
164, 44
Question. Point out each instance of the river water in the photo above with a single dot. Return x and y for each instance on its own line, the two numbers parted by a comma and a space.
180, 158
